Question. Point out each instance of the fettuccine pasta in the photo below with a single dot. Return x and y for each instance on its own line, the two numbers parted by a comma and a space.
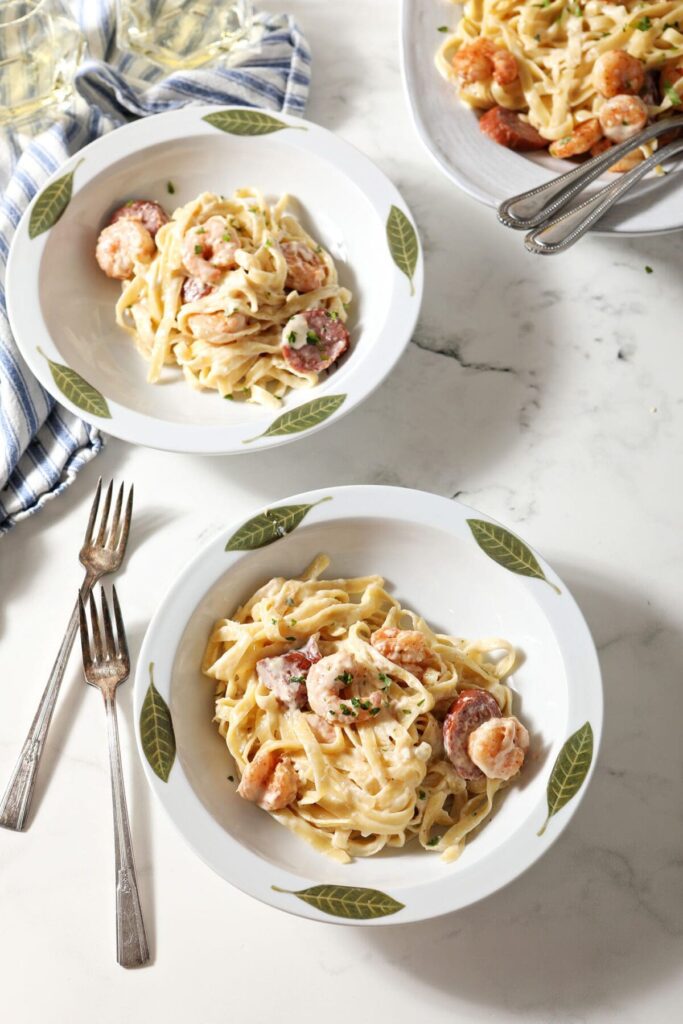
230, 289
554, 83
337, 706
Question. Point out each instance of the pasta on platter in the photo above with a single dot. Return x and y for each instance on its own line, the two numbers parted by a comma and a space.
576, 76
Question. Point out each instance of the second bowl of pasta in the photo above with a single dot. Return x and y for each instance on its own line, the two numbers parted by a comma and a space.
368, 704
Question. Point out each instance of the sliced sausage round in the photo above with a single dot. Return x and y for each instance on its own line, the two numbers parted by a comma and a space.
194, 288
325, 340
150, 214
285, 674
286, 677
508, 129
467, 713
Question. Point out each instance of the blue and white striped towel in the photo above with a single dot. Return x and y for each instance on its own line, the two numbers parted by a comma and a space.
42, 446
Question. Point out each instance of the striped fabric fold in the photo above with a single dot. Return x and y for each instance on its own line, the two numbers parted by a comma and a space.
42, 445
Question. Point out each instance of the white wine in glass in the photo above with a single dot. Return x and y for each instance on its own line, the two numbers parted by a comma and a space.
182, 33
40, 48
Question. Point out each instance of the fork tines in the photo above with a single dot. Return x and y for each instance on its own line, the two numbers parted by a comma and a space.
107, 644
114, 535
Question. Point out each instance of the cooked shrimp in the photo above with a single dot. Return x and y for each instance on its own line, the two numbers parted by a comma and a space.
216, 328
585, 135
209, 249
328, 678
305, 272
671, 78
121, 245
505, 70
405, 647
270, 781
628, 162
622, 117
498, 747
617, 72
625, 164
474, 62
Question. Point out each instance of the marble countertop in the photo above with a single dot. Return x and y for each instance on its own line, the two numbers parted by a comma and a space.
545, 392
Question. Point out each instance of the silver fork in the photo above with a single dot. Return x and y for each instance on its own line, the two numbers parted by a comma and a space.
100, 555
555, 236
531, 209
106, 665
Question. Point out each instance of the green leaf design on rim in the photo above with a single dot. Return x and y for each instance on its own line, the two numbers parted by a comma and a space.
569, 771
347, 901
303, 417
51, 204
403, 244
507, 550
269, 526
77, 390
156, 731
248, 122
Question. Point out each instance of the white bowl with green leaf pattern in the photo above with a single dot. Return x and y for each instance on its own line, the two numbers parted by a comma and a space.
61, 307
469, 577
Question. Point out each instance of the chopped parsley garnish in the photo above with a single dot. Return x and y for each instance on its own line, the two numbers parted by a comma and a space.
312, 338
292, 623
422, 794
673, 95
366, 705
355, 702
291, 337
433, 841
318, 248
420, 702
345, 678
333, 316
346, 710
274, 621
406, 711
130, 202
199, 249
290, 602
268, 243
297, 679
442, 28
226, 237
290, 638
649, 270
575, 10
201, 231
375, 711
170, 188
229, 398
643, 25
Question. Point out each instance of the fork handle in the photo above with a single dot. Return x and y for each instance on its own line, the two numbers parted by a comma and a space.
16, 802
131, 940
